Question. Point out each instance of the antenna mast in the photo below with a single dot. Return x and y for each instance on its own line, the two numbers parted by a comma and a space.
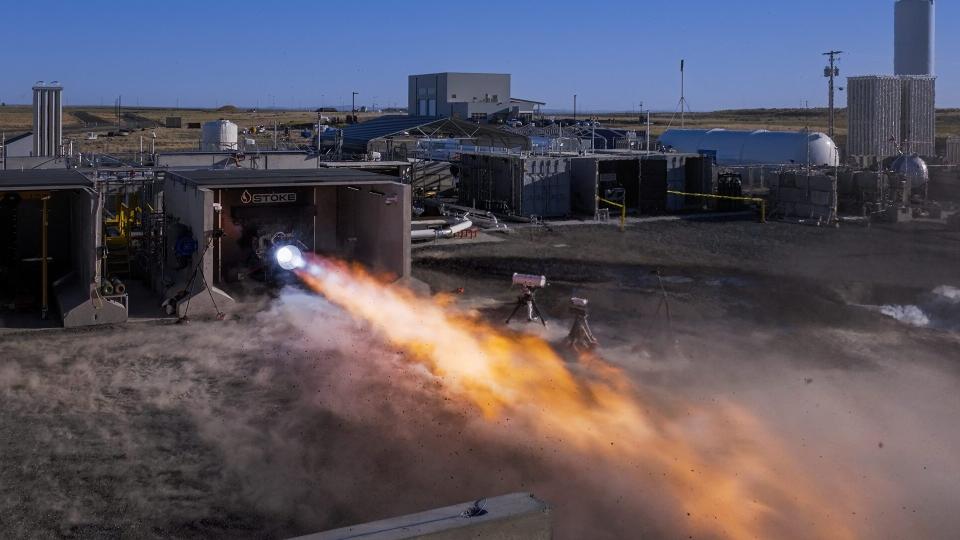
683, 96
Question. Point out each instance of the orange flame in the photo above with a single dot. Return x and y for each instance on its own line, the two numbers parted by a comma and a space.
724, 475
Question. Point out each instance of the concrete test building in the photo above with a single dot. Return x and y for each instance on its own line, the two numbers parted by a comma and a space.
466, 96
51, 230
562, 185
237, 216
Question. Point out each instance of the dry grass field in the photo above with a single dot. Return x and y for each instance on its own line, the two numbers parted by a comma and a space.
78, 121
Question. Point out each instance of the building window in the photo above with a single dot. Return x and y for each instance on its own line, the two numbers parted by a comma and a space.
478, 116
453, 96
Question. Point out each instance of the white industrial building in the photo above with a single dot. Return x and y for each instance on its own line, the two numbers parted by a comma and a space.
16, 146
466, 96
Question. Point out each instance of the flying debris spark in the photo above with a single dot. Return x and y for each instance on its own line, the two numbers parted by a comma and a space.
717, 471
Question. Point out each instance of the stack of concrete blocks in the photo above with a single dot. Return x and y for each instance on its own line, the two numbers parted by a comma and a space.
757, 176
804, 195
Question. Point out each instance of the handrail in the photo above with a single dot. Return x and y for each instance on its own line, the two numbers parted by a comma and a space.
763, 202
623, 212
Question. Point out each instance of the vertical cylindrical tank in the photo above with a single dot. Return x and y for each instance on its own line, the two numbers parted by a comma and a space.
219, 135
47, 120
913, 37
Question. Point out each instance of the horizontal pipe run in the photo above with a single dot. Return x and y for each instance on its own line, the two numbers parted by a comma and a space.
760, 201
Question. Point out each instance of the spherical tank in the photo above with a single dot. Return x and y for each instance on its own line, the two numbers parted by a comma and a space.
913, 167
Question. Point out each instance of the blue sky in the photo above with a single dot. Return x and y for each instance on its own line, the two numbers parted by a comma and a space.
613, 54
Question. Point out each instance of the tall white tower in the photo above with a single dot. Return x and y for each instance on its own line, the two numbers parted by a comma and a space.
47, 120
913, 50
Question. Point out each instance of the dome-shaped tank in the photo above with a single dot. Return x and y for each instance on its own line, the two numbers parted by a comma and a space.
219, 135
755, 147
912, 167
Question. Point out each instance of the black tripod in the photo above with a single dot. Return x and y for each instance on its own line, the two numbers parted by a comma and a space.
528, 300
664, 300
198, 271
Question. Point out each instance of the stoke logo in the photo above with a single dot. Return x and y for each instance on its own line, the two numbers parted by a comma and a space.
267, 198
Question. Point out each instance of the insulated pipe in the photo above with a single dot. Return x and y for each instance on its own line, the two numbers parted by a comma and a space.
447, 232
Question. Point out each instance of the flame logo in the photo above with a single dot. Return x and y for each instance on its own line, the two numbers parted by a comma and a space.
245, 197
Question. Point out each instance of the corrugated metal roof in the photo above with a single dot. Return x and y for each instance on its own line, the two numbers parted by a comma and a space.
521, 100
226, 178
361, 134
357, 136
43, 179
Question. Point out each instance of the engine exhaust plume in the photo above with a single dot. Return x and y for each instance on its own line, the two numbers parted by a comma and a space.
715, 470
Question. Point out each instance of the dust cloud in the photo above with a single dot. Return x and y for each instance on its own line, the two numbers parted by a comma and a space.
298, 418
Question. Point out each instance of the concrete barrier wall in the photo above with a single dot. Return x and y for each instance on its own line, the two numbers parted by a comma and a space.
291, 161
373, 226
229, 160
192, 207
77, 295
945, 183
583, 186
189, 160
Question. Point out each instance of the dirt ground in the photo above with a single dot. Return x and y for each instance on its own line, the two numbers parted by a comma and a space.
292, 418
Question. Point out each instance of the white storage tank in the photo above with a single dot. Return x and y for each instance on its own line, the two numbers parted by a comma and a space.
913, 50
219, 135
755, 147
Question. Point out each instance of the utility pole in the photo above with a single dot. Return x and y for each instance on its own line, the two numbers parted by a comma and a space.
831, 72
683, 94
648, 130
353, 106
574, 109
